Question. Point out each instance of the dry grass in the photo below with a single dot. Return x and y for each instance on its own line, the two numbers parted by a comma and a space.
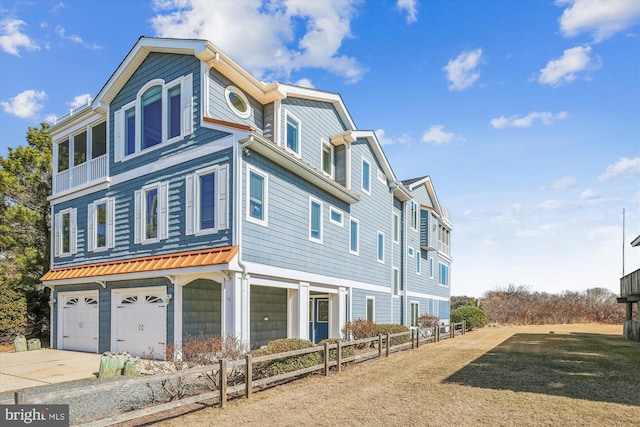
581, 375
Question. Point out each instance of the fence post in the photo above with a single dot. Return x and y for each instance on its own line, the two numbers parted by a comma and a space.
339, 355
437, 333
20, 397
223, 382
418, 338
464, 326
379, 345
248, 373
388, 344
326, 359
413, 344
452, 331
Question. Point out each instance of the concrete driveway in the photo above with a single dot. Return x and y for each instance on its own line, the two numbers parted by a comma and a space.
45, 366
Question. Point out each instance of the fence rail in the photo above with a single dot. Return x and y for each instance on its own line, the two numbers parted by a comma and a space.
381, 345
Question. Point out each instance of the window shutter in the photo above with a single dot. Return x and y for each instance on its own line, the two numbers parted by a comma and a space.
111, 221
186, 101
163, 202
137, 226
90, 226
57, 242
189, 209
223, 197
74, 230
118, 135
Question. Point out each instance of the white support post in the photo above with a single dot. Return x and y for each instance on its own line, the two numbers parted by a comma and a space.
177, 316
303, 311
236, 307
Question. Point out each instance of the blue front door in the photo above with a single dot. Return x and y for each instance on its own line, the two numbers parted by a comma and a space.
320, 319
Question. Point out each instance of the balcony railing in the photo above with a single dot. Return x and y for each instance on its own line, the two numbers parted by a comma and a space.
630, 284
81, 174
443, 247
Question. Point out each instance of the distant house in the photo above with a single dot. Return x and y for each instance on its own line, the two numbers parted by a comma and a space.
190, 198
630, 295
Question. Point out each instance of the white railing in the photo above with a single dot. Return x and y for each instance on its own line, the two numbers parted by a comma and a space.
71, 113
443, 247
78, 175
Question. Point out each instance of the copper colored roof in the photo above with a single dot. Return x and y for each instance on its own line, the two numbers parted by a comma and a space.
199, 258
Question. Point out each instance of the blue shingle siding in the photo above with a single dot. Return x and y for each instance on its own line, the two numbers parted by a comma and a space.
269, 303
218, 108
201, 305
382, 303
123, 194
268, 129
318, 120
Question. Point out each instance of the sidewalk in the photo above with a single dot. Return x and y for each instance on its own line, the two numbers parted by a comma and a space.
40, 367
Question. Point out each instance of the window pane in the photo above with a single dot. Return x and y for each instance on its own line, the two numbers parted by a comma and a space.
151, 214
354, 236
99, 140
101, 225
63, 156
292, 134
256, 196
315, 220
207, 201
370, 310
336, 216
80, 148
366, 176
380, 247
130, 131
152, 117
396, 228
66, 233
326, 159
174, 111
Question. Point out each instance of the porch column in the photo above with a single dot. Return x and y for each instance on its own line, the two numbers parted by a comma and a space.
298, 316
235, 306
177, 315
338, 307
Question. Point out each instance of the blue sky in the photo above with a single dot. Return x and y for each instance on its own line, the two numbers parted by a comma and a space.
526, 114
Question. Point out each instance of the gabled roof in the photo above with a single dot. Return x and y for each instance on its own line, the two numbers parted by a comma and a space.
635, 242
414, 183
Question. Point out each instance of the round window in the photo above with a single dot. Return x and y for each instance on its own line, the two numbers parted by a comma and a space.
237, 101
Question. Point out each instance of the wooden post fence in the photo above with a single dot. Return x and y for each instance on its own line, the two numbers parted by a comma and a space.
223, 382
326, 359
379, 345
388, 344
248, 377
339, 355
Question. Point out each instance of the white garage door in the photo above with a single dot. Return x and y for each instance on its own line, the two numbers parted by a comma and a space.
79, 321
140, 322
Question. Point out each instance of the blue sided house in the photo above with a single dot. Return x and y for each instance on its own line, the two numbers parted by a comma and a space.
191, 199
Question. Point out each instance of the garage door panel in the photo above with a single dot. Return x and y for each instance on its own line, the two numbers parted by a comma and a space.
79, 322
140, 323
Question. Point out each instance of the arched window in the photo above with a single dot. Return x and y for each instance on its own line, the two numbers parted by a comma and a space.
152, 117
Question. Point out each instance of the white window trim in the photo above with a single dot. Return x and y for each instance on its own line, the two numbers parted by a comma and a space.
373, 307
288, 114
419, 262
382, 177
362, 176
396, 221
431, 268
411, 215
378, 234
141, 202
243, 115
444, 285
311, 201
357, 251
417, 303
73, 232
265, 198
323, 143
395, 274
197, 201
221, 202
186, 117
339, 212
410, 251
92, 225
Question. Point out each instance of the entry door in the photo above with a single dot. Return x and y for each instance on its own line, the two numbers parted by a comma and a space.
320, 319
141, 324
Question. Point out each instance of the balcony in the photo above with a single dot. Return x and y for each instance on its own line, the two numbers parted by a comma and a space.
86, 172
630, 295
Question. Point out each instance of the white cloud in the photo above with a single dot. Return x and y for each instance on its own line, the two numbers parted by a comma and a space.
382, 138
63, 33
304, 83
589, 194
564, 70
411, 7
80, 100
437, 135
12, 39
600, 18
623, 168
462, 72
263, 36
526, 121
564, 183
25, 104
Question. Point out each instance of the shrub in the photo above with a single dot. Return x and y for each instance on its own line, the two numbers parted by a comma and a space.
347, 350
394, 329
427, 321
359, 329
288, 364
474, 316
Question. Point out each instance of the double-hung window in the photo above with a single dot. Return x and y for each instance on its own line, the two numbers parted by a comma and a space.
419, 261
66, 231
327, 158
315, 220
444, 275
414, 215
161, 113
354, 236
207, 200
257, 196
396, 281
100, 225
370, 309
293, 131
151, 219
366, 176
380, 251
415, 308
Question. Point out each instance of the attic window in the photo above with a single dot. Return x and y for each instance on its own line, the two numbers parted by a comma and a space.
237, 101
